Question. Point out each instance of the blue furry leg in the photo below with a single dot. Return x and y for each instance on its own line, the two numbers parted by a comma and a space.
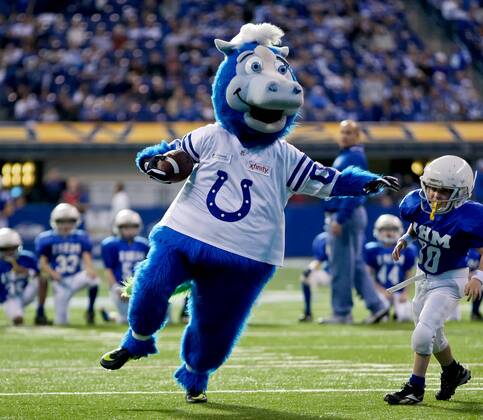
155, 280
138, 347
221, 300
190, 380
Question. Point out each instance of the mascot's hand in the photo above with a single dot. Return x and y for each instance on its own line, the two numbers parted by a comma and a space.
379, 184
150, 167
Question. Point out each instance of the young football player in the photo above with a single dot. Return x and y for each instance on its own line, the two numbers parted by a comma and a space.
307, 278
120, 254
65, 257
384, 270
446, 224
19, 280
473, 262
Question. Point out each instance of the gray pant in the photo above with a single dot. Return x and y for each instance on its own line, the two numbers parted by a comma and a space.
348, 268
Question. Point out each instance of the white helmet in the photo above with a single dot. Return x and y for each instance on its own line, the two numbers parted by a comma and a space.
127, 217
451, 173
9, 240
64, 212
388, 229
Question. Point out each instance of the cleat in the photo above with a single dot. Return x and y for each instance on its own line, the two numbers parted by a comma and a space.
376, 316
476, 317
105, 315
337, 319
449, 383
90, 317
408, 395
305, 318
116, 359
195, 397
42, 320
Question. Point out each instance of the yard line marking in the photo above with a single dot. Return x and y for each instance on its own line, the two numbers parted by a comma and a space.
227, 391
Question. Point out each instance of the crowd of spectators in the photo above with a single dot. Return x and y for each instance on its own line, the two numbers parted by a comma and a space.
465, 17
118, 60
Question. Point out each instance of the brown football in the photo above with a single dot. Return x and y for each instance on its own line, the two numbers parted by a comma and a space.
178, 165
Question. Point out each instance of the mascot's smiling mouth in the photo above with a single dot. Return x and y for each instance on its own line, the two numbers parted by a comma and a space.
267, 116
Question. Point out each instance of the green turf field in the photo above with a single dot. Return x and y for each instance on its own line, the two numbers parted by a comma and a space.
279, 370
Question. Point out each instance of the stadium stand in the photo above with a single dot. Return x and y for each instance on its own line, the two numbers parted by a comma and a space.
465, 19
119, 60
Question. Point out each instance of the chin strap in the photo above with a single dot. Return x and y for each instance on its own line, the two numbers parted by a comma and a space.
434, 207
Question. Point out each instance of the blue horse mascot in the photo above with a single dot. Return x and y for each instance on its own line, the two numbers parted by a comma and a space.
225, 229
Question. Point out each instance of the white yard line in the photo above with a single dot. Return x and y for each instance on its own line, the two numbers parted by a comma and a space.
226, 391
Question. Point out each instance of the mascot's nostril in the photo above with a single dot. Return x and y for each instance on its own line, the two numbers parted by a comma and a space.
273, 87
297, 90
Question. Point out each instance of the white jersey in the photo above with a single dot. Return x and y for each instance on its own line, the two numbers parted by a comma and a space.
235, 197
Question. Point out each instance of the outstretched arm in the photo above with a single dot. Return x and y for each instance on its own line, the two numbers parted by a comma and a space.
354, 181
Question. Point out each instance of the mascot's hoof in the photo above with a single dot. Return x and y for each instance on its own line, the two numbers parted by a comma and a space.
116, 359
195, 397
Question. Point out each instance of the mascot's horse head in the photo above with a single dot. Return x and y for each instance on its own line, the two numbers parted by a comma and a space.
255, 93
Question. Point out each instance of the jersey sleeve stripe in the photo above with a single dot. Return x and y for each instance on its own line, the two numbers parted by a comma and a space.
305, 172
192, 148
297, 168
188, 148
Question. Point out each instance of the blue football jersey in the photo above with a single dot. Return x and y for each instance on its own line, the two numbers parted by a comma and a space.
64, 253
13, 283
388, 272
122, 256
444, 242
473, 259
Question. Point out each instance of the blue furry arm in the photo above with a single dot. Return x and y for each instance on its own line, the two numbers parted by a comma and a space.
158, 149
351, 182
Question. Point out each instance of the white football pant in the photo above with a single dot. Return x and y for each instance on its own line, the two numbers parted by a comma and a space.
65, 289
121, 305
14, 306
402, 310
436, 299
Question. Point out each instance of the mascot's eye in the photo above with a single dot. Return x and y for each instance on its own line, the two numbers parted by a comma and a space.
282, 69
254, 65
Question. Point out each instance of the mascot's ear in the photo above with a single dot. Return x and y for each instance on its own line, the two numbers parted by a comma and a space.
284, 51
224, 46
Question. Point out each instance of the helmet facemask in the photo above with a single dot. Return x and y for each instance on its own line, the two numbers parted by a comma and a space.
128, 231
457, 196
388, 235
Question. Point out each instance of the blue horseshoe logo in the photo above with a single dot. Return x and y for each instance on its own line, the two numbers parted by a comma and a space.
224, 215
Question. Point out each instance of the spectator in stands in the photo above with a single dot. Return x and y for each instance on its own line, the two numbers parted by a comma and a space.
54, 186
6, 206
109, 61
75, 194
120, 200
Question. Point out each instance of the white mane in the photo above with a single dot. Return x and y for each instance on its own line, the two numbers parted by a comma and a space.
262, 33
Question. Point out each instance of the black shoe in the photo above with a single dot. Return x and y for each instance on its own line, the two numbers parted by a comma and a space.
42, 320
305, 318
375, 317
409, 394
90, 317
449, 382
105, 315
476, 317
116, 359
196, 397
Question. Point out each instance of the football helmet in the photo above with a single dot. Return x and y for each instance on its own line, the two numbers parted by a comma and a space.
127, 218
388, 229
64, 213
10, 243
450, 173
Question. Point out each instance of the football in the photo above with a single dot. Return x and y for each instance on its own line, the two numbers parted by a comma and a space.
177, 165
